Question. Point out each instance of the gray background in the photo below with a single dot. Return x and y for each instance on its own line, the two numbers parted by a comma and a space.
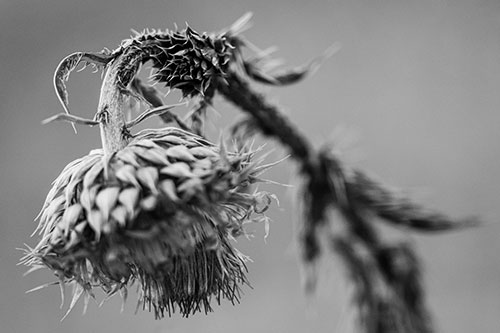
415, 81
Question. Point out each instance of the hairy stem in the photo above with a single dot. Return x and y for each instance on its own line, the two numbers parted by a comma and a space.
114, 135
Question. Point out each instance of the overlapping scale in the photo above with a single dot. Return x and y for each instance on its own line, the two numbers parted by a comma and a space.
160, 213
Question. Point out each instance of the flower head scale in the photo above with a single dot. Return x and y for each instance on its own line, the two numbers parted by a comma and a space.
161, 212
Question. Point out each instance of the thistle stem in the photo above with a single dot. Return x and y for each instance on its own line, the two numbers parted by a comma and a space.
114, 134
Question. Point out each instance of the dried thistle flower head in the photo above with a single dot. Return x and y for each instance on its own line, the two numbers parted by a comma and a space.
160, 213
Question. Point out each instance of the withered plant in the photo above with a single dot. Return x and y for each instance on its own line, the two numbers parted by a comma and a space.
159, 208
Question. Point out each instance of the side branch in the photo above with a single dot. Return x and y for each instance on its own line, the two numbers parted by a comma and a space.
268, 118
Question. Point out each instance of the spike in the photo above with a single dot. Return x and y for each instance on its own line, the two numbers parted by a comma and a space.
77, 293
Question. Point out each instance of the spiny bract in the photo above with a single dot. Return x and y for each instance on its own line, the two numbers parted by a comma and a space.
161, 212
185, 59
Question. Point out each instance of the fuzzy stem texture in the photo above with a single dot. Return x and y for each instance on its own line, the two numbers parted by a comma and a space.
114, 135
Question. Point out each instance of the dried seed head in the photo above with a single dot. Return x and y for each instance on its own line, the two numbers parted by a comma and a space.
153, 218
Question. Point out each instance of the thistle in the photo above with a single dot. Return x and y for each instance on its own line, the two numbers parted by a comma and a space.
161, 211
159, 208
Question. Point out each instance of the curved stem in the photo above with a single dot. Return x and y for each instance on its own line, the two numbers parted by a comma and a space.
114, 134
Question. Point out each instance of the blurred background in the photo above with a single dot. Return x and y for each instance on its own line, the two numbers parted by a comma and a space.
412, 97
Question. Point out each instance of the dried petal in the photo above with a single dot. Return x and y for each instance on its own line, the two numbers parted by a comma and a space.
203, 152
77, 293
128, 198
149, 203
54, 206
119, 214
167, 186
174, 140
106, 200
126, 174
127, 156
76, 178
87, 197
70, 217
177, 170
190, 187
155, 156
96, 221
148, 177
73, 240
56, 235
146, 143
180, 153
92, 174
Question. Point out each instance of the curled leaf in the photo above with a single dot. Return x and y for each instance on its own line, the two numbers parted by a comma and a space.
69, 64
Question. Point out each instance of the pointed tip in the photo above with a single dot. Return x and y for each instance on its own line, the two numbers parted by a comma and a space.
135, 32
329, 52
240, 25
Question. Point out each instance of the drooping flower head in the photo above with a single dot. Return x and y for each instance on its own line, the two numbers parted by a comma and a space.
159, 208
160, 213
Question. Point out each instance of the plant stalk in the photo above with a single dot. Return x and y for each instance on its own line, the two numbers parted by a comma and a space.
114, 134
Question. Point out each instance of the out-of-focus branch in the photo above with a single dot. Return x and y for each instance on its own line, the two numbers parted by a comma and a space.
387, 278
